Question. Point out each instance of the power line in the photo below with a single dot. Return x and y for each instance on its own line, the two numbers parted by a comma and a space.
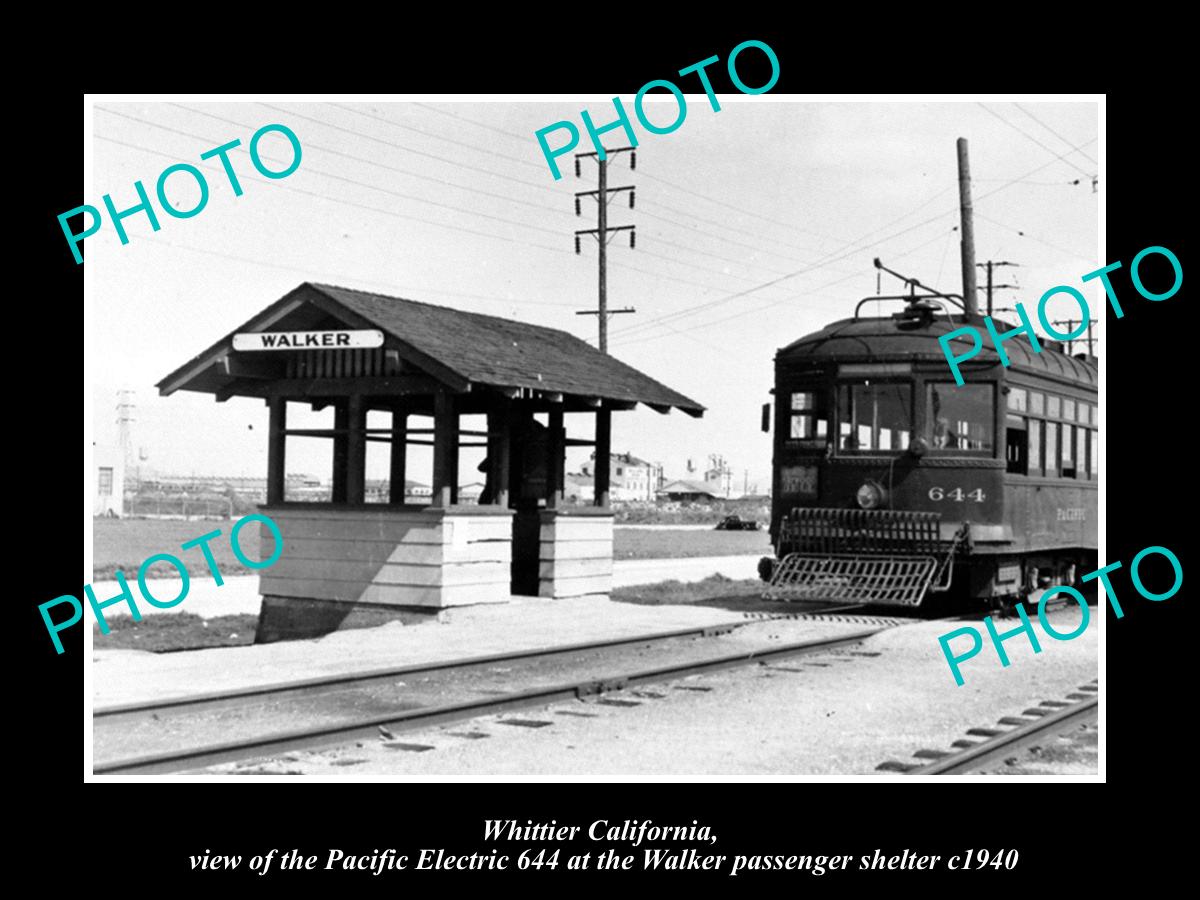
373, 162
386, 212
658, 178
1053, 132
1034, 237
774, 303
393, 214
1020, 130
324, 275
362, 184
471, 121
804, 271
498, 130
407, 149
535, 205
397, 215
683, 313
474, 148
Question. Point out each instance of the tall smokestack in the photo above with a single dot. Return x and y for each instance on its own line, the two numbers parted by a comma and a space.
968, 231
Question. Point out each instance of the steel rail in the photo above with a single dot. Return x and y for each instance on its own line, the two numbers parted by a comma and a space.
301, 687
401, 720
320, 684
1003, 745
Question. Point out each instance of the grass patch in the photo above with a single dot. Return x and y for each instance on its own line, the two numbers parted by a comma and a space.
711, 591
666, 544
124, 543
164, 633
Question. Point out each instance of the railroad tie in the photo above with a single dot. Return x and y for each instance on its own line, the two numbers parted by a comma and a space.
932, 754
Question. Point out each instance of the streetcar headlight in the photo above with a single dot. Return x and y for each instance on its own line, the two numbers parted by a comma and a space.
870, 495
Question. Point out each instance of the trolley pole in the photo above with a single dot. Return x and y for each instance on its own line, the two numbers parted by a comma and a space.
601, 233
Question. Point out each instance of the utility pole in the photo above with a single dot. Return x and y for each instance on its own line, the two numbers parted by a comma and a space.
1071, 323
601, 233
970, 302
990, 287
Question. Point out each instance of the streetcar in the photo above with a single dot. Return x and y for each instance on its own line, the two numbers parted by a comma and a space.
893, 485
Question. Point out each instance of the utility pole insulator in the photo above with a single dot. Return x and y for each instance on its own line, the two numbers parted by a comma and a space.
602, 230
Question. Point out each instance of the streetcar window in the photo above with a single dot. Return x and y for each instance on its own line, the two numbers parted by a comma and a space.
1037, 403
1069, 410
874, 416
1094, 443
1016, 399
1052, 407
1052, 449
809, 421
1068, 448
1016, 445
1081, 448
1035, 445
1084, 413
960, 417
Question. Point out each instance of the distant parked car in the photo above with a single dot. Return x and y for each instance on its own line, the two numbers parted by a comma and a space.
737, 523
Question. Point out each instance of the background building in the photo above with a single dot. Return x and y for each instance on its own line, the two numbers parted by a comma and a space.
688, 491
110, 481
630, 478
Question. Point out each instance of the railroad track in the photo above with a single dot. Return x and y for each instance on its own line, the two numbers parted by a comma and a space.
167, 720
1012, 734
332, 704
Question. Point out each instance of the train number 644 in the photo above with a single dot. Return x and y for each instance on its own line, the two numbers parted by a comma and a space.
937, 493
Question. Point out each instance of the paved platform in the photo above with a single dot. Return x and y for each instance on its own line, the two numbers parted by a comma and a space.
239, 594
128, 676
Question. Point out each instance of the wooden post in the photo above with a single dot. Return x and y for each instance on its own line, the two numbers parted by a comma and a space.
356, 450
602, 202
966, 219
399, 466
603, 453
499, 450
341, 421
445, 449
276, 457
555, 451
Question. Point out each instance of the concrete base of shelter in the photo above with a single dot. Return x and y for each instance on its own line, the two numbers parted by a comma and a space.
298, 618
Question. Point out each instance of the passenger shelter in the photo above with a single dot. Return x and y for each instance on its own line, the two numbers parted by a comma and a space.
359, 352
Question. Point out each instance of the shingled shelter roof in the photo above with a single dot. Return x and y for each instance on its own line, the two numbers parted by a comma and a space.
461, 348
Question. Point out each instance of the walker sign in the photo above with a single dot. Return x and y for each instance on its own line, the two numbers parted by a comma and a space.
307, 340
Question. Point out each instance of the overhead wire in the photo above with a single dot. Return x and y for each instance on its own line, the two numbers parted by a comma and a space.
834, 258
1086, 156
1020, 130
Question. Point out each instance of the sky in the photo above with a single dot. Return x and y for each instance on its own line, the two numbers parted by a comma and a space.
755, 225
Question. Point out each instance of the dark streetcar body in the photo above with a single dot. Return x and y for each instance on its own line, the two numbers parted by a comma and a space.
881, 462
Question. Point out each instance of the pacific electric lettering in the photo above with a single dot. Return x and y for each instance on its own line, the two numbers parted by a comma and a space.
144, 204
972, 333
1026, 626
639, 111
